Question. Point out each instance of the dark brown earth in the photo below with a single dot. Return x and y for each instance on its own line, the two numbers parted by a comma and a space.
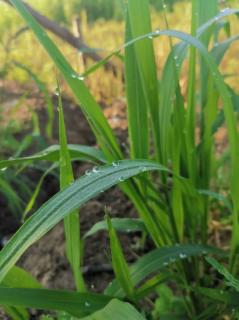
46, 259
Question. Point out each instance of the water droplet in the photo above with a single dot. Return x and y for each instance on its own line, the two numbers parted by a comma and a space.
175, 57
57, 93
142, 169
164, 6
77, 76
157, 31
204, 252
150, 37
4, 169
182, 256
87, 304
88, 172
92, 286
95, 170
224, 10
165, 264
121, 179
115, 164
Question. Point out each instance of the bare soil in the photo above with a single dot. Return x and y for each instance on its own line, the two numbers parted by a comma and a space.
46, 259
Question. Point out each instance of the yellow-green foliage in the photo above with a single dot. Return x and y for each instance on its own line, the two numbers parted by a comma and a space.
106, 35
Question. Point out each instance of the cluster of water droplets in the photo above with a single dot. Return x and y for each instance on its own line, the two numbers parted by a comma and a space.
87, 304
224, 10
176, 59
77, 76
181, 256
94, 170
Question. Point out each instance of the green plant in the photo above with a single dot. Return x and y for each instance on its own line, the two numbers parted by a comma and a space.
173, 202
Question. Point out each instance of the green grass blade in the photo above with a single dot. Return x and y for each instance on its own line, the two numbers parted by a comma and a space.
191, 102
140, 24
120, 267
136, 103
167, 98
120, 224
52, 154
116, 310
206, 11
66, 201
158, 260
77, 304
71, 221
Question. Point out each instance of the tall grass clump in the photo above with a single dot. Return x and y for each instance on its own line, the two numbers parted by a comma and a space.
170, 175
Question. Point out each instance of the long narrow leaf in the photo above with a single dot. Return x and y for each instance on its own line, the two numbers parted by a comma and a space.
78, 304
62, 203
71, 221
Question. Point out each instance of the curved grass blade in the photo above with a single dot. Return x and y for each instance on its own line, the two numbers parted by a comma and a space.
63, 202
159, 259
119, 224
52, 153
203, 28
77, 304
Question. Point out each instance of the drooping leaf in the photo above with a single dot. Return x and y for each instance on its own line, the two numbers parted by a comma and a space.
159, 259
119, 224
78, 304
77, 152
63, 202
